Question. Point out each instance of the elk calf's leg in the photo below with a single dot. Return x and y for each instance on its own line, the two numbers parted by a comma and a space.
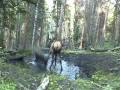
55, 59
61, 66
51, 64
52, 61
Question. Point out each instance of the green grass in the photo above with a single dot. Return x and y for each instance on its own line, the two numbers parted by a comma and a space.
7, 84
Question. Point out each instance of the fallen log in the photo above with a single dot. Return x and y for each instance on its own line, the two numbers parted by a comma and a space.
44, 84
98, 50
15, 58
104, 50
113, 49
11, 52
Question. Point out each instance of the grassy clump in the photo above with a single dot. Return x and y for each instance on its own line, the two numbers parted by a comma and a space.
17, 77
7, 84
107, 80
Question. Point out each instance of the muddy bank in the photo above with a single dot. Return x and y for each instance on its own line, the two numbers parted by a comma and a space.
81, 65
75, 65
90, 63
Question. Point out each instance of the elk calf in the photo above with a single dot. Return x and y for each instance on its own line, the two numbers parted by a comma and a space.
55, 50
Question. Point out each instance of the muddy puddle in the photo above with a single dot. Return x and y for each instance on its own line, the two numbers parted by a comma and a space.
69, 70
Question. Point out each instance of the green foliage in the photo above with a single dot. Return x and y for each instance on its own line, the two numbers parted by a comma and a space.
100, 76
107, 81
17, 76
108, 45
58, 82
31, 1
53, 85
25, 52
76, 36
7, 85
87, 85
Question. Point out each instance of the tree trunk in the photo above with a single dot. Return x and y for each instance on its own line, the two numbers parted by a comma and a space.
17, 32
26, 27
35, 25
60, 22
117, 24
100, 30
2, 44
91, 19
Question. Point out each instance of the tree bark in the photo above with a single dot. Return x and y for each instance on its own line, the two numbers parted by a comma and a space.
100, 30
2, 43
60, 22
35, 25
17, 32
117, 24
90, 26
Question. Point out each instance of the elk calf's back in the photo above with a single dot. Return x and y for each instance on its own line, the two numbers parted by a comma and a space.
56, 47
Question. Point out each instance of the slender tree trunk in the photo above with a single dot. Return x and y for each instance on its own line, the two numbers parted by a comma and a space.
117, 24
2, 44
100, 32
35, 25
10, 36
17, 32
26, 30
60, 22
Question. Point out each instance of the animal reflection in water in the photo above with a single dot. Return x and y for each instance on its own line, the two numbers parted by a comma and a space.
55, 50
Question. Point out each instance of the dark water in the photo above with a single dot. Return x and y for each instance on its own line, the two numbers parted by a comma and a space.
69, 69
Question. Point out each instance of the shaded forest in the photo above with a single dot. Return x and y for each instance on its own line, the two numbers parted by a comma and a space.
80, 24
89, 34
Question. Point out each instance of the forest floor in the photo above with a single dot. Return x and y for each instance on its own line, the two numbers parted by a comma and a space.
91, 70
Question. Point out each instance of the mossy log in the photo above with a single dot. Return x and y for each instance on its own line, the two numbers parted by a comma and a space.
98, 50
11, 52
15, 58
114, 49
104, 50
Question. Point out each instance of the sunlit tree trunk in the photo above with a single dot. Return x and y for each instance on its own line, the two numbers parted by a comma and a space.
71, 30
117, 24
40, 39
100, 30
9, 36
17, 32
91, 19
60, 22
26, 27
35, 25
77, 23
